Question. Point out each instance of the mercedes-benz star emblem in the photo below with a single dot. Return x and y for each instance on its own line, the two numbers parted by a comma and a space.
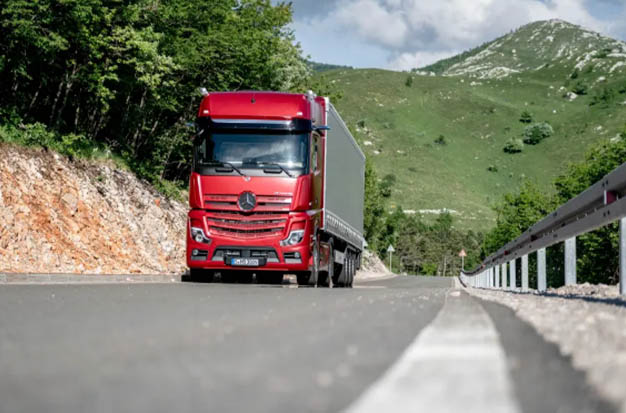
247, 201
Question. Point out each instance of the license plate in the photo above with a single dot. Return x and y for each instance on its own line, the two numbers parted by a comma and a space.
245, 262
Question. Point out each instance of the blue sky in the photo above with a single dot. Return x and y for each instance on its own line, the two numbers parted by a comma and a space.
403, 34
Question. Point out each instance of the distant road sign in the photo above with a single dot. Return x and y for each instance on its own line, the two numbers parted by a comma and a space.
391, 249
462, 254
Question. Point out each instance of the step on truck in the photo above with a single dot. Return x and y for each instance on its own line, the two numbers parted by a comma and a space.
277, 187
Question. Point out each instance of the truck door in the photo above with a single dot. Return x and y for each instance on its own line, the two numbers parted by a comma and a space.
317, 168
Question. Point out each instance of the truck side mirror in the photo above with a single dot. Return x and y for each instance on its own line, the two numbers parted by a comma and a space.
322, 128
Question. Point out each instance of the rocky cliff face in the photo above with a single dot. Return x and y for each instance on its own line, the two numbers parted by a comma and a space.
84, 217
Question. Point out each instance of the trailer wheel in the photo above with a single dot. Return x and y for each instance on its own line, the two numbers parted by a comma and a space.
200, 275
352, 271
343, 279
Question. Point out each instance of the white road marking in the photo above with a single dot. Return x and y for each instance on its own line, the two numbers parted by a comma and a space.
456, 364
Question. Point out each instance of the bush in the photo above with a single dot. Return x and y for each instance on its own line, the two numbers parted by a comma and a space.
526, 117
409, 81
387, 184
604, 97
361, 123
513, 146
534, 134
575, 74
492, 168
580, 88
441, 140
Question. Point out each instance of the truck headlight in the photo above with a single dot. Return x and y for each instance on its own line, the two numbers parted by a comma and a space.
198, 235
294, 238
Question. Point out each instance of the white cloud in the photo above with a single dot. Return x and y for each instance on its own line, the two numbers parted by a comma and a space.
408, 61
418, 32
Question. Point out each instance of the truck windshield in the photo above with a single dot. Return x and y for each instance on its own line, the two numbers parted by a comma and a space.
266, 153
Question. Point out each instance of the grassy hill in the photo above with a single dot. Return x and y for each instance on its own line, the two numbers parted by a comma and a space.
443, 136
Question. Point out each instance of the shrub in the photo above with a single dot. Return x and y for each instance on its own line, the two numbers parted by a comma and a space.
575, 74
534, 134
387, 183
409, 81
513, 146
441, 140
604, 97
526, 117
492, 168
580, 88
361, 123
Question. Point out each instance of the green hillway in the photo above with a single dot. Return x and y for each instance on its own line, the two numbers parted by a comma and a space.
442, 134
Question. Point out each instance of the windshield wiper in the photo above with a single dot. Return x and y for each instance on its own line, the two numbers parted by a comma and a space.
282, 168
226, 164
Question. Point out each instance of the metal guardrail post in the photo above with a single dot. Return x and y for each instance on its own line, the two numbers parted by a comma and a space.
512, 275
541, 270
505, 282
622, 256
570, 261
491, 281
525, 273
497, 270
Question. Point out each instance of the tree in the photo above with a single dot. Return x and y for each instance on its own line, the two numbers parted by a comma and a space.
409, 81
374, 207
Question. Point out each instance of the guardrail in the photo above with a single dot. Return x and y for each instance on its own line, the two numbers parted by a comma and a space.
601, 204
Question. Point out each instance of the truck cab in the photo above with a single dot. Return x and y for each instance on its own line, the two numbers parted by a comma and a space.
256, 191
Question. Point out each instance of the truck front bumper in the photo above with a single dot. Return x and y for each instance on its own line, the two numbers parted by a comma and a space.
217, 252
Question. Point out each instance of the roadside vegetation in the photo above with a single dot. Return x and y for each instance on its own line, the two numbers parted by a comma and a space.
597, 251
88, 78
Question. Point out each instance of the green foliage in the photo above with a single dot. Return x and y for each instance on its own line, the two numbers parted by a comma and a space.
125, 74
597, 251
387, 184
492, 168
409, 81
580, 88
433, 249
441, 140
575, 74
513, 146
603, 97
526, 117
534, 134
374, 207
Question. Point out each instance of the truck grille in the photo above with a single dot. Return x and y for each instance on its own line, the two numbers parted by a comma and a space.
267, 219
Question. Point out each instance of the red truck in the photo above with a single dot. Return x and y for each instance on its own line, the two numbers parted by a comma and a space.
277, 187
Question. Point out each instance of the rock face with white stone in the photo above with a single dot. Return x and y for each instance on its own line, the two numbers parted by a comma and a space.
62, 216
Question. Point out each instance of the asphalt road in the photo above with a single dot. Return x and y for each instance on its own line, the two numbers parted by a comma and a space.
241, 348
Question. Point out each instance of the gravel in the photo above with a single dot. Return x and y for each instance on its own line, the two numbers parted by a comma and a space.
586, 322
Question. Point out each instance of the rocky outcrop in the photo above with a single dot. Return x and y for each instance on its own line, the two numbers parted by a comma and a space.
58, 215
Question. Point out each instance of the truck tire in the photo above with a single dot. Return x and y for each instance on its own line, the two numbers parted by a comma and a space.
309, 278
198, 275
325, 278
269, 277
352, 270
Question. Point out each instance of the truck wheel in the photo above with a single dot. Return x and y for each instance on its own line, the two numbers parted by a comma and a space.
325, 278
309, 278
269, 277
198, 275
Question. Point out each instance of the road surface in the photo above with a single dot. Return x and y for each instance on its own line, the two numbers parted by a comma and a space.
407, 343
